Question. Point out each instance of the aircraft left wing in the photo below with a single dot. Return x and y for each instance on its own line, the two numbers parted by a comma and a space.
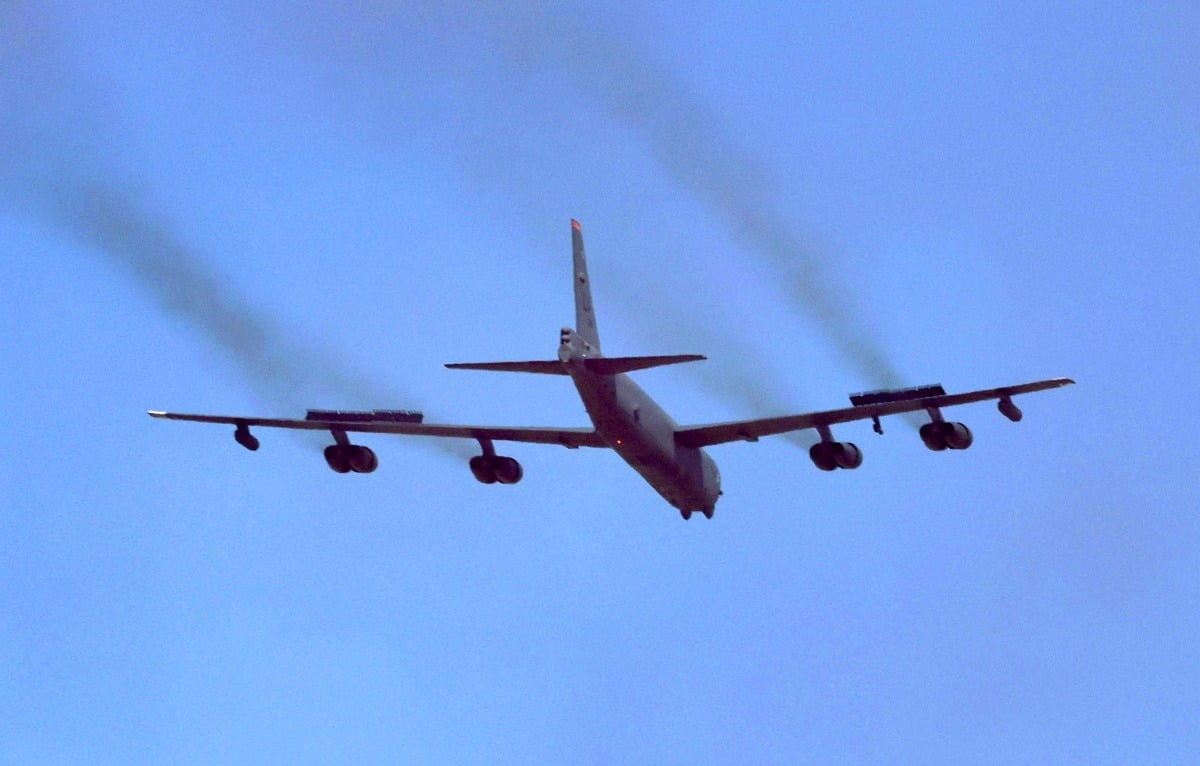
751, 430
566, 437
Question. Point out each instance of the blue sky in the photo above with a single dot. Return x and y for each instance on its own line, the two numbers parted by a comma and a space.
255, 210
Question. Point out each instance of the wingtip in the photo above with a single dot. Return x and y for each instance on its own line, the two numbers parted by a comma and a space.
576, 225
156, 413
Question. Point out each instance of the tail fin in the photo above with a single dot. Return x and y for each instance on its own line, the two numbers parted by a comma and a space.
585, 314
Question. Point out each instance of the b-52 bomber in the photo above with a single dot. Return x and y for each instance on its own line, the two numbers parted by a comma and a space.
670, 457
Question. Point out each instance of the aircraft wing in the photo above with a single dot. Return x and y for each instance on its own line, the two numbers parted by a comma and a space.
566, 437
751, 430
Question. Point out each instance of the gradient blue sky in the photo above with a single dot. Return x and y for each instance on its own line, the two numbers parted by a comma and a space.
252, 210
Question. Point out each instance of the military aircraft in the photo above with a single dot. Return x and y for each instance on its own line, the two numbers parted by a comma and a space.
670, 457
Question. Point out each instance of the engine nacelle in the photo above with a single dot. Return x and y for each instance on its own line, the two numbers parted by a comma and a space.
350, 457
508, 470
336, 459
931, 435
822, 456
1010, 410
361, 459
481, 467
492, 469
943, 436
849, 456
829, 456
957, 435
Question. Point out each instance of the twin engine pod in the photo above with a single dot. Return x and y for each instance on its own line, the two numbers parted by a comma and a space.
344, 458
496, 469
830, 455
943, 435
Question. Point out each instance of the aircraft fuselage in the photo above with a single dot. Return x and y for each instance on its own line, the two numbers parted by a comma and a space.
641, 432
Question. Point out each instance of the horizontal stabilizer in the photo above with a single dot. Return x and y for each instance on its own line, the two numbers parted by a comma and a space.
615, 365
543, 368
600, 365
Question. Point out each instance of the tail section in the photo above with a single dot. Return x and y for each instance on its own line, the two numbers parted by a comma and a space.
585, 314
571, 351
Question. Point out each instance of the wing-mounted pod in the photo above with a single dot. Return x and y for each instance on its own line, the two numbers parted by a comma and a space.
243, 437
941, 435
1010, 410
830, 455
490, 468
344, 458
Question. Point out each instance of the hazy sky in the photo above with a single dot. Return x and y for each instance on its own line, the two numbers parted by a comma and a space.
257, 208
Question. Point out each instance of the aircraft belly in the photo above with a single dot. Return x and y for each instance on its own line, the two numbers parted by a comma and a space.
670, 472
663, 473
643, 435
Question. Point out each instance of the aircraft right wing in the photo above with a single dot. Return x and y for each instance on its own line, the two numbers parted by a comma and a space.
751, 430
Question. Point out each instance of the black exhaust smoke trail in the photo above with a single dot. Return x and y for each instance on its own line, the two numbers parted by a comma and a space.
738, 376
714, 168
51, 168
280, 370
742, 372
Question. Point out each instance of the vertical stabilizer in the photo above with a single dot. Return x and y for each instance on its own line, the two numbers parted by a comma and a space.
585, 314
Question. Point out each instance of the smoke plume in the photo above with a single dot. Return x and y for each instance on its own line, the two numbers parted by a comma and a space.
740, 375
281, 371
53, 167
733, 184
